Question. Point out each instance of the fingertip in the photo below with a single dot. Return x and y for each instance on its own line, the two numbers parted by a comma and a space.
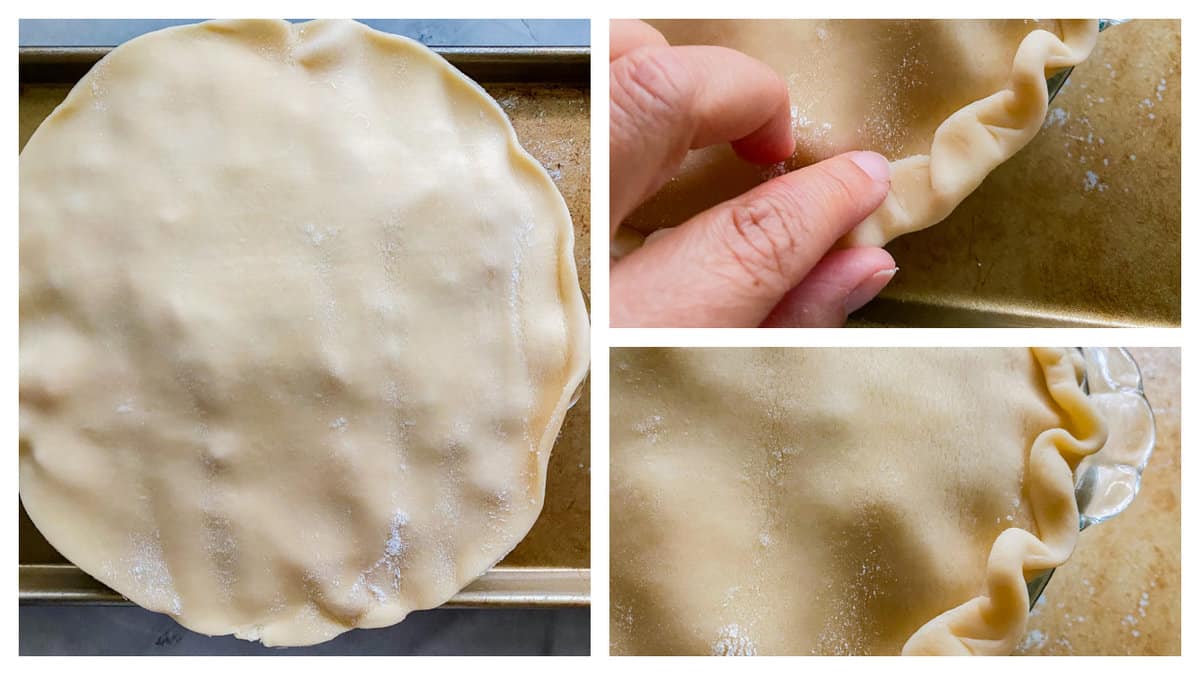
766, 146
847, 188
774, 141
868, 288
875, 165
876, 258
876, 269
841, 283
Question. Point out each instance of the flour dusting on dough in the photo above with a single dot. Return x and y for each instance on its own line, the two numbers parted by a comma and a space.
147, 569
733, 640
870, 583
383, 578
650, 427
1034, 640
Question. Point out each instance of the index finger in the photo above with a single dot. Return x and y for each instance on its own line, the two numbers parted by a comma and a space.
664, 101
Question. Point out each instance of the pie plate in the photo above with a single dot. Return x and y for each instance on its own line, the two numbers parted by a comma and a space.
1107, 481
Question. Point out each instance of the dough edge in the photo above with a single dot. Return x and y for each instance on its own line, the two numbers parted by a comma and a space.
977, 138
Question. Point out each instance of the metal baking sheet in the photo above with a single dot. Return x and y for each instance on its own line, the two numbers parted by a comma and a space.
545, 91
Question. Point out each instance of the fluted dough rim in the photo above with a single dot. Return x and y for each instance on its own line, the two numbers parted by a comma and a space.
976, 139
994, 622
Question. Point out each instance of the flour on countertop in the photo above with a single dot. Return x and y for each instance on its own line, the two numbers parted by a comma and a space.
1035, 639
1085, 143
1056, 117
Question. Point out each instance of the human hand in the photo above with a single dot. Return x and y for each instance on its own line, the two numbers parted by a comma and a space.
762, 258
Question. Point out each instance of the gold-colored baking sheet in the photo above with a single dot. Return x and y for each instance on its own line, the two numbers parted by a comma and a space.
1080, 228
545, 92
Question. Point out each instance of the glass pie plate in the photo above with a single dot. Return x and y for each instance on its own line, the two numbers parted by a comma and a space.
1107, 481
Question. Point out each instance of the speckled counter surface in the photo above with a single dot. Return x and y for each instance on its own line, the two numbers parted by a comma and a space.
1119, 592
1083, 225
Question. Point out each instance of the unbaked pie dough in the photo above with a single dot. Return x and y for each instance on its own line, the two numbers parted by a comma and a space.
299, 324
947, 101
839, 501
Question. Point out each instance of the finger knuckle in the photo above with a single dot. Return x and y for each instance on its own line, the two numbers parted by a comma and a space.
757, 236
651, 84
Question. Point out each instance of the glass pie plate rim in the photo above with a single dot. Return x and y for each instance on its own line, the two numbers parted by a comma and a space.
1107, 481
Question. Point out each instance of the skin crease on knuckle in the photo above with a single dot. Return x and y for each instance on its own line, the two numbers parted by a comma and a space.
652, 92
775, 236
760, 239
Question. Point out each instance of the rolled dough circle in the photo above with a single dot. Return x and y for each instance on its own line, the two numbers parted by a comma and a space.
300, 322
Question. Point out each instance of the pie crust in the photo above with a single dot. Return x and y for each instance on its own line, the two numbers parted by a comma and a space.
300, 321
840, 501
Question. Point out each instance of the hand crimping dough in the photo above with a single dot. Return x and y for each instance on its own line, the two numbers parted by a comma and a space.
945, 101
299, 325
839, 501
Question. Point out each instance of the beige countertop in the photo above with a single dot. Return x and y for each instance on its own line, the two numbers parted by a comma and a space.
1119, 592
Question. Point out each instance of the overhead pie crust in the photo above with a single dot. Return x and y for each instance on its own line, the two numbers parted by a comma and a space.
300, 321
840, 501
947, 101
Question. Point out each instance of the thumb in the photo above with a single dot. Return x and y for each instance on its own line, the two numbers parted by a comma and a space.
732, 264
